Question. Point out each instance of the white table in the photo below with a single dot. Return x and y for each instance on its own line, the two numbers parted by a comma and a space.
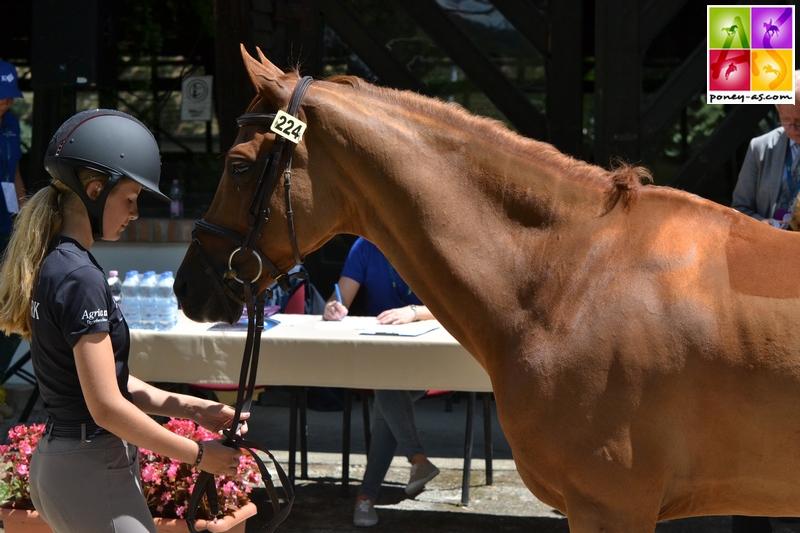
310, 353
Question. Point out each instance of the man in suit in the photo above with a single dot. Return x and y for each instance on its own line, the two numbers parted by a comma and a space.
770, 176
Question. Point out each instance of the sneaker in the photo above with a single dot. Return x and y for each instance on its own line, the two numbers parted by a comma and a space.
421, 473
365, 515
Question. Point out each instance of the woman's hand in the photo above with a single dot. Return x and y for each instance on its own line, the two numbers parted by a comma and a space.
218, 459
216, 417
334, 311
399, 315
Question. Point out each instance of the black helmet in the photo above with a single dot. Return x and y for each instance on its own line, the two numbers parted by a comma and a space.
110, 142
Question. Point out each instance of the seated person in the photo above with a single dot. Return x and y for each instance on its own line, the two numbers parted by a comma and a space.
393, 302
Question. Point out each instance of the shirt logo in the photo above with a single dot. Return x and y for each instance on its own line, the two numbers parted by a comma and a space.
93, 317
35, 310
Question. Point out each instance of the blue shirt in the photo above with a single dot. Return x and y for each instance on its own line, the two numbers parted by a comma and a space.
385, 288
10, 153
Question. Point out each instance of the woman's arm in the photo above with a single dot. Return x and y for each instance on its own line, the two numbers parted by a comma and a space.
213, 416
94, 360
404, 315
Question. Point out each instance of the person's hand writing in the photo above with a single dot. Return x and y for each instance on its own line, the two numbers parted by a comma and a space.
334, 311
399, 315
216, 417
219, 459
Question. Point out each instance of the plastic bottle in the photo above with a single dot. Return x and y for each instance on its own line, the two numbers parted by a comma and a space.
176, 195
147, 293
166, 302
116, 286
131, 308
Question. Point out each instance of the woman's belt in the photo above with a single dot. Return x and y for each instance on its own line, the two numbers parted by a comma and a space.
84, 432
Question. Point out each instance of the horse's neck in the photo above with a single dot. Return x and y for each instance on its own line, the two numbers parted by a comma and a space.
465, 226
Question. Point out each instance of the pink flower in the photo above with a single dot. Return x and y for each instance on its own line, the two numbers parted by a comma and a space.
149, 474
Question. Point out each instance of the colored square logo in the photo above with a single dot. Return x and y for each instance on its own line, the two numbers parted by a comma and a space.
772, 27
729, 27
730, 70
750, 54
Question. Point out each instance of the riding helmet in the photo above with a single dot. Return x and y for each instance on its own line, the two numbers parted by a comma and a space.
110, 142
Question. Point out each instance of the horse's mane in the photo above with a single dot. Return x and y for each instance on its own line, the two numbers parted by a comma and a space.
621, 184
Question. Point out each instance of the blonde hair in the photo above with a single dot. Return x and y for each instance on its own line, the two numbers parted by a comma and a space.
37, 223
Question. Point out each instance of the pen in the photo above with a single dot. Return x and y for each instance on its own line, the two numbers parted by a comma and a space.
338, 294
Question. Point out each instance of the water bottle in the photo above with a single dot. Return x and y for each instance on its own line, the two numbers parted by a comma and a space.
116, 286
166, 302
176, 195
147, 293
131, 308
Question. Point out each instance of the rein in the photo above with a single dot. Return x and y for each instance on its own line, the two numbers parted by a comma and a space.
254, 299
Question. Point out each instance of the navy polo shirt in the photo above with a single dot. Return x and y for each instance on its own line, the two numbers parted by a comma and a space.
10, 153
72, 299
367, 265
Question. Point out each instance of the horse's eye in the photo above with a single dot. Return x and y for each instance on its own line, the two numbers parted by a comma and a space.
239, 167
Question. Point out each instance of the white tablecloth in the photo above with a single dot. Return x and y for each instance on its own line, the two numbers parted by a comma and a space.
310, 352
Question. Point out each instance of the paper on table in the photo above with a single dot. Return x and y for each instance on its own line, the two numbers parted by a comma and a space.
269, 323
292, 320
413, 329
348, 323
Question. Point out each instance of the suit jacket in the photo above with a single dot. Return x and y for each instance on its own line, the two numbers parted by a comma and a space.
759, 182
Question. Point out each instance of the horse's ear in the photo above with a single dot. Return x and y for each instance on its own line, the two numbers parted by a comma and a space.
264, 75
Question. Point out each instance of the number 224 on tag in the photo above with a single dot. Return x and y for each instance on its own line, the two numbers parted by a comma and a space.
289, 127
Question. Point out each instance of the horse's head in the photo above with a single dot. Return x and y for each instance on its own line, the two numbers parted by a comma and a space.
259, 224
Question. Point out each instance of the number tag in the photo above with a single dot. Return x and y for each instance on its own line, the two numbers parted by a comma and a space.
289, 127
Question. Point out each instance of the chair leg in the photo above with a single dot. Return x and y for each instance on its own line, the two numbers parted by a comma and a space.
348, 399
468, 450
293, 401
367, 428
303, 434
487, 436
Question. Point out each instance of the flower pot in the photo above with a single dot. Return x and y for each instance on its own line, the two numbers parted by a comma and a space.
23, 521
229, 524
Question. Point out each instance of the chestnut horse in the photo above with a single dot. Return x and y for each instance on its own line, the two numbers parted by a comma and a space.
642, 342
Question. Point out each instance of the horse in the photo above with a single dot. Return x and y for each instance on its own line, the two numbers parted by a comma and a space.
771, 29
730, 70
642, 342
730, 30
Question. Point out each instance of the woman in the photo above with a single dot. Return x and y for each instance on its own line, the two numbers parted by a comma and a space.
393, 302
85, 470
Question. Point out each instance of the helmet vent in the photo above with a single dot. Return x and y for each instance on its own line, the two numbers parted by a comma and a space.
60, 146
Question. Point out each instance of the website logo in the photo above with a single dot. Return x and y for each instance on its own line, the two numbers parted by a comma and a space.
750, 54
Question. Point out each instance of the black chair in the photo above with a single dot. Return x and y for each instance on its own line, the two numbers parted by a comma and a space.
8, 347
468, 438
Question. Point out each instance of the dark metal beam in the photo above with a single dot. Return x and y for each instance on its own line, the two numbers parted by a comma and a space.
508, 98
735, 129
617, 80
374, 53
655, 15
685, 82
564, 62
529, 21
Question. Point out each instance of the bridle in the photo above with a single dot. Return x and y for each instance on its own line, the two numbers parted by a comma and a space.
258, 215
254, 299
